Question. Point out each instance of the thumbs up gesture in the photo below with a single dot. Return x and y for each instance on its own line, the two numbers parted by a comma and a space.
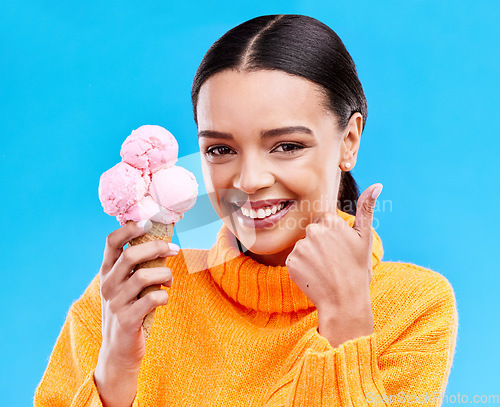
332, 266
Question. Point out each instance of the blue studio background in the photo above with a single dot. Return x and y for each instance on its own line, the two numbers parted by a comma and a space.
77, 77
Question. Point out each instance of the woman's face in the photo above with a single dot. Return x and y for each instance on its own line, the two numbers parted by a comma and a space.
270, 156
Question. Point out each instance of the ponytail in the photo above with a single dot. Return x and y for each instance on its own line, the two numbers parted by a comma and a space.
348, 193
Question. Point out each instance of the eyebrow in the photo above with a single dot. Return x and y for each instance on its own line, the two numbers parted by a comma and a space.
265, 134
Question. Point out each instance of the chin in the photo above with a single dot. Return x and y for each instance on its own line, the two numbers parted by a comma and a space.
273, 242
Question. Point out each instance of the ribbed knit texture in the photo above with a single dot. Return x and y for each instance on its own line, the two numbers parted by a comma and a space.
239, 333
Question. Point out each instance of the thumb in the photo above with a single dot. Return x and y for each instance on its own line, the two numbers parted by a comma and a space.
365, 209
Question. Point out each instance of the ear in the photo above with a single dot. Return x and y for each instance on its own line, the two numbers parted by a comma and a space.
351, 140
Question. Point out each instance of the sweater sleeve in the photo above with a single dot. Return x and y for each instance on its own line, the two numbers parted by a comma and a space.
412, 369
69, 377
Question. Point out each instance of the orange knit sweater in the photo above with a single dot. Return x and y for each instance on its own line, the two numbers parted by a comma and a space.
238, 333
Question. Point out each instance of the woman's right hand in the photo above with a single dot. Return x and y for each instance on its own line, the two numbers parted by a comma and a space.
123, 343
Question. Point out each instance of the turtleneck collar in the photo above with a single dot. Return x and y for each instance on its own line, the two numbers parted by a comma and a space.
260, 287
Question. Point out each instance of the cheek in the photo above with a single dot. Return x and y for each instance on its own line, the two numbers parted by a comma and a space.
314, 181
217, 180
217, 177
207, 176
210, 181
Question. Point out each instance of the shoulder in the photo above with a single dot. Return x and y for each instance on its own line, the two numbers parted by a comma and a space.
414, 280
415, 302
86, 310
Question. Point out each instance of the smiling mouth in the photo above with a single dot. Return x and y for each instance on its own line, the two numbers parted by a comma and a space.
263, 212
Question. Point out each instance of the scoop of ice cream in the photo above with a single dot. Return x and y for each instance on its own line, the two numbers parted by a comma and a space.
174, 188
147, 184
146, 209
150, 147
121, 187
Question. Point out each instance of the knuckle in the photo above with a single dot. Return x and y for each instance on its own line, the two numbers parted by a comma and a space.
113, 308
312, 228
149, 300
161, 296
329, 218
156, 298
127, 256
111, 239
169, 274
141, 277
125, 321
105, 290
159, 245
369, 208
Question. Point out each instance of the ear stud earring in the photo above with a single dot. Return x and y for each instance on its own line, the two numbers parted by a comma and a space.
347, 165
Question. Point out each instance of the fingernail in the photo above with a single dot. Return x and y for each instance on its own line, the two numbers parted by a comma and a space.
146, 225
174, 248
376, 192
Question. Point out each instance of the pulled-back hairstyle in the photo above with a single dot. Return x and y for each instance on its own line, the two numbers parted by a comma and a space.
298, 45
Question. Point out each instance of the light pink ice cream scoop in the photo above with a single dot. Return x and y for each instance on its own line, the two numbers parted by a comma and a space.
174, 188
148, 208
150, 147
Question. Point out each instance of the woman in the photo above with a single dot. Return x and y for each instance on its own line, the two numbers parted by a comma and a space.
293, 304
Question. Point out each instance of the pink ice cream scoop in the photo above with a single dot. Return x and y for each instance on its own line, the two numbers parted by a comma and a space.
121, 187
147, 184
176, 179
150, 147
148, 208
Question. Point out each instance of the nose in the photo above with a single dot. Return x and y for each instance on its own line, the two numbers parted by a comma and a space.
253, 175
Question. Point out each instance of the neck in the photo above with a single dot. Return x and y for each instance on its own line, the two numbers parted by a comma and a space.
252, 279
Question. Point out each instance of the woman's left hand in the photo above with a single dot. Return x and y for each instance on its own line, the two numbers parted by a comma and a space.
332, 265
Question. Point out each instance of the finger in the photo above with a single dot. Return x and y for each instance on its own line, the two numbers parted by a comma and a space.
134, 255
313, 228
326, 210
143, 306
365, 209
119, 238
332, 221
142, 278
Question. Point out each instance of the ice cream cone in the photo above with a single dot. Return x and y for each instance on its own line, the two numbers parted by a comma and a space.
159, 231
147, 184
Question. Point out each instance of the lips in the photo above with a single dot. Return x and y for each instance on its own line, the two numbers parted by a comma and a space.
260, 214
256, 205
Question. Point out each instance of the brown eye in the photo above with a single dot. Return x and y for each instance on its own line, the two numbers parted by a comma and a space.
218, 150
288, 147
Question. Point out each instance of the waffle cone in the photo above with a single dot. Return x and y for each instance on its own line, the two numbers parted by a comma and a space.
158, 231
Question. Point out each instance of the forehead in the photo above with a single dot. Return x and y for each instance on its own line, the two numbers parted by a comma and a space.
263, 97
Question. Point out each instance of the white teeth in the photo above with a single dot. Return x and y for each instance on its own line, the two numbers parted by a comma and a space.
262, 212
